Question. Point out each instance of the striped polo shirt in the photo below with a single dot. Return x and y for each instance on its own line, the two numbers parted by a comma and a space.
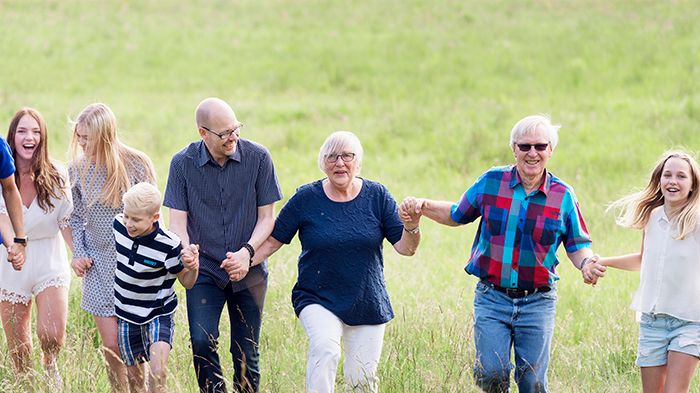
147, 268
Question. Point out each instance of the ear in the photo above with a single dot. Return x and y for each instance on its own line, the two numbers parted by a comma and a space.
202, 132
156, 216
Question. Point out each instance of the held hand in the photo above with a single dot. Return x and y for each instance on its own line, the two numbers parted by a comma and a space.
236, 264
190, 257
15, 255
592, 270
410, 210
81, 265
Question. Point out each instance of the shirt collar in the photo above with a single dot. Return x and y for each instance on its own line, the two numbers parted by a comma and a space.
544, 187
205, 156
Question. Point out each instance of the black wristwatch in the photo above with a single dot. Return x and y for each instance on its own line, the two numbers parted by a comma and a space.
21, 240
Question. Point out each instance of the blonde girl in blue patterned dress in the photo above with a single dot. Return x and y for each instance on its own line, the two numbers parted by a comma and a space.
101, 170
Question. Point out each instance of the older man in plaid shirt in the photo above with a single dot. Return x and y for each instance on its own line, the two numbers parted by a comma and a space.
526, 213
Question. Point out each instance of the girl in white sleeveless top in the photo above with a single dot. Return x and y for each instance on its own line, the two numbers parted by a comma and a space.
45, 276
668, 296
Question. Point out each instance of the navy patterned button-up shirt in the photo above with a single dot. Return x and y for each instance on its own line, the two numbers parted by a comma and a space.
222, 201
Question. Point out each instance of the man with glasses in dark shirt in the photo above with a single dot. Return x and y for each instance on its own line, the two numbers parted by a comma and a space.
221, 191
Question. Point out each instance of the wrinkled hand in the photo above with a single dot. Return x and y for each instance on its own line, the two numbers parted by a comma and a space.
81, 265
190, 257
592, 270
410, 210
15, 255
236, 264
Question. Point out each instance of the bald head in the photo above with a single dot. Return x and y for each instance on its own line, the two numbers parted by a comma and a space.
214, 112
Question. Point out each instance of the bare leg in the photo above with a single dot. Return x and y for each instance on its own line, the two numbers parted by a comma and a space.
681, 368
137, 377
653, 379
15, 321
107, 326
52, 313
159, 366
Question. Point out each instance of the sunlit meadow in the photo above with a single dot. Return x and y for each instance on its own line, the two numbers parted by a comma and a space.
432, 88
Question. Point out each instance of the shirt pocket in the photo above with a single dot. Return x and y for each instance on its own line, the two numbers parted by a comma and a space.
546, 231
496, 220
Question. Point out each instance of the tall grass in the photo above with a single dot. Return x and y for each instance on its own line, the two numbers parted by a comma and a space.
432, 89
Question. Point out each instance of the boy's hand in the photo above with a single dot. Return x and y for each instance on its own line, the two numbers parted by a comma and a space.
236, 264
190, 257
81, 265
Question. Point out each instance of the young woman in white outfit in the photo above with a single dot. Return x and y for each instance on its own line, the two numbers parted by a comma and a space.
45, 275
668, 298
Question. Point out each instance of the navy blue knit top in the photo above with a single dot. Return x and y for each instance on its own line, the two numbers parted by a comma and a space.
341, 266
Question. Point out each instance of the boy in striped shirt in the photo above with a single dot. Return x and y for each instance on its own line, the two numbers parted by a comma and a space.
149, 259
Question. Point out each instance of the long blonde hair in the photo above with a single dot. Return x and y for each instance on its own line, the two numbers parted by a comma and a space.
106, 151
48, 182
635, 209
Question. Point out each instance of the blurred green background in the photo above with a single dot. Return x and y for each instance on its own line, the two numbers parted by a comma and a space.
432, 89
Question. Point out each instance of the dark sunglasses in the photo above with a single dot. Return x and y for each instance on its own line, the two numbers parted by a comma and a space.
528, 146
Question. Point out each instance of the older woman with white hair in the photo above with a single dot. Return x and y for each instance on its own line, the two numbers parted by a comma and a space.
342, 222
526, 213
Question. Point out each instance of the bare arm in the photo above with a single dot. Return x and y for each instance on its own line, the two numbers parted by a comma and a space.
13, 202
264, 225
238, 263
269, 247
68, 237
438, 211
6, 230
631, 262
188, 277
410, 236
178, 224
578, 257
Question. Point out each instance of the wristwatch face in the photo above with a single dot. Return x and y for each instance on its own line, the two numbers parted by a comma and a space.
21, 240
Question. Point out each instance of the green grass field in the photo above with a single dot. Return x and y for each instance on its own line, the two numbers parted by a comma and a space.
432, 89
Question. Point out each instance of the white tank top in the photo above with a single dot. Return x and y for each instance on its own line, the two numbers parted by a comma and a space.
670, 274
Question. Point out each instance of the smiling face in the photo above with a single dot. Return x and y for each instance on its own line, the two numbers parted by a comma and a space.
82, 136
676, 182
27, 138
138, 222
341, 173
531, 164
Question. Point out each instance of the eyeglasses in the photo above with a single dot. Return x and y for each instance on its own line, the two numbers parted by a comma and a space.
226, 134
528, 146
346, 157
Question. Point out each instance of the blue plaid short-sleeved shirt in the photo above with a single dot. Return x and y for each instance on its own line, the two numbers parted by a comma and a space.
518, 236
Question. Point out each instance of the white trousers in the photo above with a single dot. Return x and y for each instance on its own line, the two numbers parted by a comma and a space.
362, 344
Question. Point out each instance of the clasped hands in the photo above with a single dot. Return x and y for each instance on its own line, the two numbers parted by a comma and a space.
592, 269
15, 255
237, 264
410, 211
189, 256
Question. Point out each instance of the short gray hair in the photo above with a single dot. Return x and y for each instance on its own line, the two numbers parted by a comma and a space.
338, 141
532, 123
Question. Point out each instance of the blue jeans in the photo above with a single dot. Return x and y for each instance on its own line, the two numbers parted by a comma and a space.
501, 323
205, 302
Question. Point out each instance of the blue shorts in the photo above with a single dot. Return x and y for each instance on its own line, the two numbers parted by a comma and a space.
135, 340
660, 333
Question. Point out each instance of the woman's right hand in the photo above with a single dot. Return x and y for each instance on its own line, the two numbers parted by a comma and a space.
81, 265
410, 210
